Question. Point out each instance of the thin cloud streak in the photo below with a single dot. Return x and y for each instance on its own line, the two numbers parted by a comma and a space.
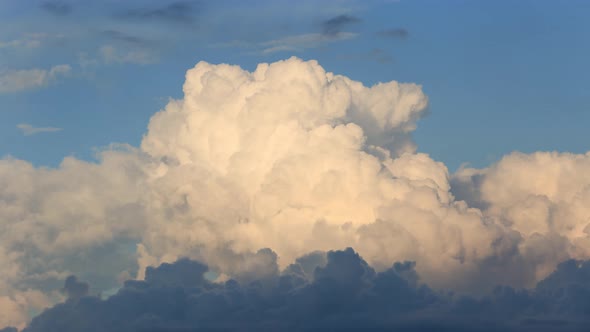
28, 129
303, 41
179, 12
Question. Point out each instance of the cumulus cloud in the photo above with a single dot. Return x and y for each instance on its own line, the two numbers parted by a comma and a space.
543, 196
20, 80
250, 172
29, 130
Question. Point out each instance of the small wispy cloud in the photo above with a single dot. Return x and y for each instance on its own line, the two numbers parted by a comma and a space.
20, 43
111, 55
20, 80
26, 41
335, 25
28, 129
178, 11
57, 8
303, 41
395, 33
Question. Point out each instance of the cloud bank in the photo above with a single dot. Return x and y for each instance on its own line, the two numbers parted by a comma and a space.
252, 170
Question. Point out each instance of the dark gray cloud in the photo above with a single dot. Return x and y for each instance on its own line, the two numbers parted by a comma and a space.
335, 25
178, 11
75, 289
395, 33
58, 8
337, 290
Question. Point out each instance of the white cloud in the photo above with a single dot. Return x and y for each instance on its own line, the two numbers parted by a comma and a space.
28, 129
20, 80
544, 197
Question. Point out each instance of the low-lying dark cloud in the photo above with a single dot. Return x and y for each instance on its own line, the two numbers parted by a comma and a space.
335, 25
333, 291
57, 8
178, 11
395, 33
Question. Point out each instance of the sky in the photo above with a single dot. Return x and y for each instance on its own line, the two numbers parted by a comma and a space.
500, 76
195, 165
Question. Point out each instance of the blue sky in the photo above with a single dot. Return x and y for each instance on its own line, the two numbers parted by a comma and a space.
267, 178
501, 76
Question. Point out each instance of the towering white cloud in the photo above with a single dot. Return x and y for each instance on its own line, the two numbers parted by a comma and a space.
295, 159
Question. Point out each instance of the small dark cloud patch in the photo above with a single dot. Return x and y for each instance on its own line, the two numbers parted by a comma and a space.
333, 291
395, 33
75, 289
57, 8
178, 11
121, 36
380, 56
335, 25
